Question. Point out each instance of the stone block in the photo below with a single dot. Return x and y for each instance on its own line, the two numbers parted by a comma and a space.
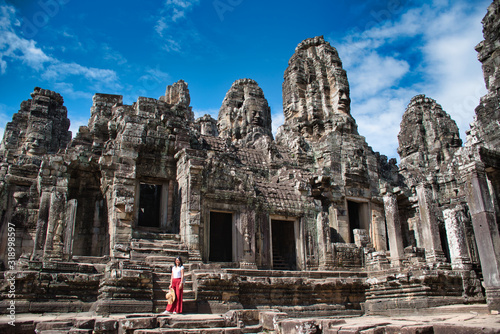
22, 327
298, 326
463, 329
106, 326
130, 324
326, 324
50, 325
269, 320
80, 330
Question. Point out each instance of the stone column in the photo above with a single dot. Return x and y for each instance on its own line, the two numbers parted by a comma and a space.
55, 226
41, 226
378, 233
394, 231
246, 227
455, 232
324, 241
485, 230
170, 208
189, 177
71, 208
430, 231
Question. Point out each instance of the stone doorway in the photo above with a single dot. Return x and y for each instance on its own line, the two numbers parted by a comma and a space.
358, 217
283, 244
221, 237
149, 205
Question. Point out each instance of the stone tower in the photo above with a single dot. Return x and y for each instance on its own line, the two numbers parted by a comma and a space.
428, 136
245, 116
316, 91
39, 127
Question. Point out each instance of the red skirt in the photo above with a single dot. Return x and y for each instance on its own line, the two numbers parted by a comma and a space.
176, 306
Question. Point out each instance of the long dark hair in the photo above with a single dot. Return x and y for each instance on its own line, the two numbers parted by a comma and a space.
180, 260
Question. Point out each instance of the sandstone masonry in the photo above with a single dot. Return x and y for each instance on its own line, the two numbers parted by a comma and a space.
313, 222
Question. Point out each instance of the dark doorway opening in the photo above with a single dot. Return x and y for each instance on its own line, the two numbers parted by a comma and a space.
149, 205
221, 237
354, 218
284, 250
91, 236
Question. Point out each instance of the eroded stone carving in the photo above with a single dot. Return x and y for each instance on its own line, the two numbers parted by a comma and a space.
245, 116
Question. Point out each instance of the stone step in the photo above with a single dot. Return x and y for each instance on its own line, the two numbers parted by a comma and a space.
189, 306
221, 330
188, 286
188, 322
159, 294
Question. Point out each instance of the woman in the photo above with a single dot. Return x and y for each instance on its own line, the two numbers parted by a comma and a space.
176, 283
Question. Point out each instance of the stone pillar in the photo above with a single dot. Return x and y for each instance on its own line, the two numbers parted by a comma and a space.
41, 226
55, 226
377, 230
170, 208
485, 230
430, 230
189, 177
246, 227
96, 231
394, 232
455, 232
71, 208
324, 241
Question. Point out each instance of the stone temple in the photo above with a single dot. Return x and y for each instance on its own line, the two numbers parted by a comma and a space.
311, 222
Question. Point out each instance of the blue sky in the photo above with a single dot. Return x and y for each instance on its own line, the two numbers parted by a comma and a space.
391, 50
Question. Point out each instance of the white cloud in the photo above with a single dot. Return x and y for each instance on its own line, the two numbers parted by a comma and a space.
68, 90
61, 70
377, 73
277, 118
168, 24
456, 79
13, 47
202, 112
76, 123
438, 59
3, 119
113, 55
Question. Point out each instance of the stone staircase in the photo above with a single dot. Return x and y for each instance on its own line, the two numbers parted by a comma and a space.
279, 262
136, 324
159, 250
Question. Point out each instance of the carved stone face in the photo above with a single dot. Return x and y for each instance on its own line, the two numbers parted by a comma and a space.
257, 116
341, 101
37, 139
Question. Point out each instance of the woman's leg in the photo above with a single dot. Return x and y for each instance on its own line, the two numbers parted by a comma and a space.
179, 292
175, 285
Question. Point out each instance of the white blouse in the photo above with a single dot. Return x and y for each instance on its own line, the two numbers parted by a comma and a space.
176, 271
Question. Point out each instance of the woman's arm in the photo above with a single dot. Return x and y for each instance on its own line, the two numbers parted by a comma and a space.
171, 278
182, 278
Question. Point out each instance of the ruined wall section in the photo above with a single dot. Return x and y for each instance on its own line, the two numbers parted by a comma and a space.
478, 162
428, 142
143, 140
40, 127
486, 127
